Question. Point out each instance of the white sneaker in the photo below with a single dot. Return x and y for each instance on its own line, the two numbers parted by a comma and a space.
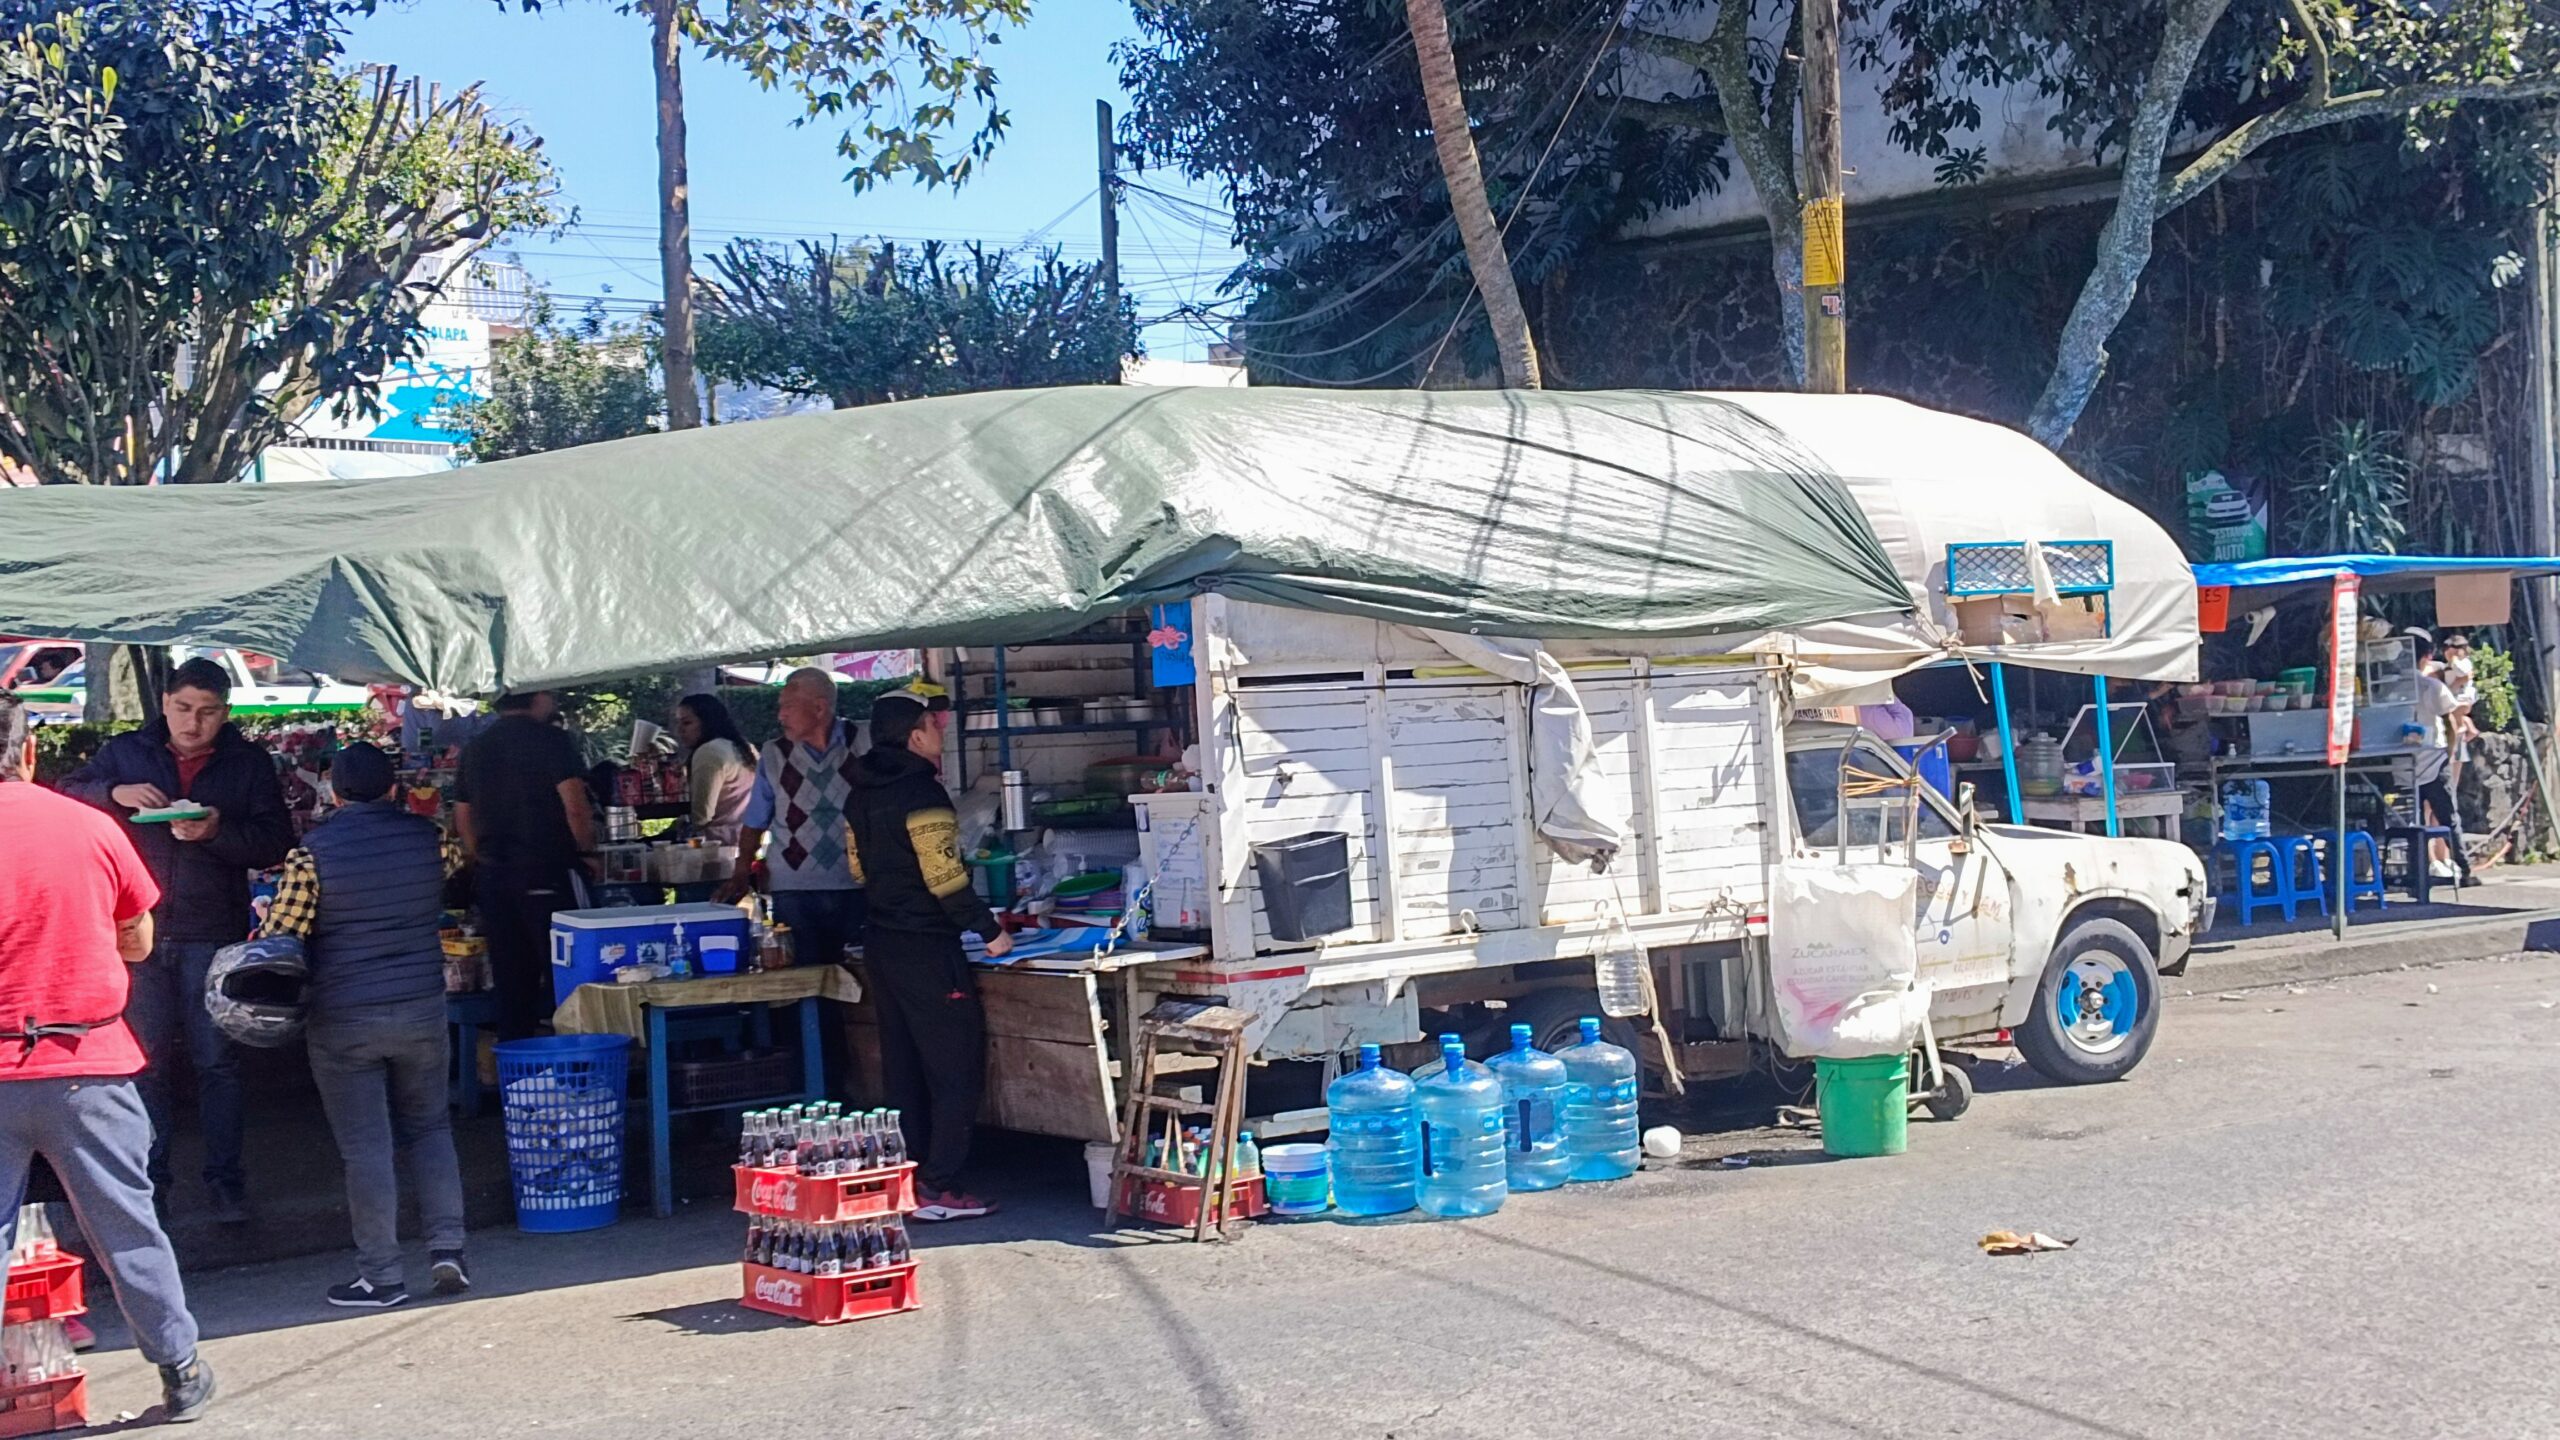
2443, 870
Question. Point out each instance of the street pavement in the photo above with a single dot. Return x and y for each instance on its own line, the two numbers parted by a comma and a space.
2318, 1211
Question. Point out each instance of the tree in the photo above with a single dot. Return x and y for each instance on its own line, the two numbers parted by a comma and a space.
2221, 79
1453, 141
859, 324
560, 384
905, 69
208, 228
1308, 119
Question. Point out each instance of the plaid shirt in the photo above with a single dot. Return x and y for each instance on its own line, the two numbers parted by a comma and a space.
296, 908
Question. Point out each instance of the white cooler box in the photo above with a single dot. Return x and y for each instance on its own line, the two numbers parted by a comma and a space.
1173, 846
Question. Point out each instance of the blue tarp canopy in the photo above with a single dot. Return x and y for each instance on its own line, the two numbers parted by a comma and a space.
2383, 574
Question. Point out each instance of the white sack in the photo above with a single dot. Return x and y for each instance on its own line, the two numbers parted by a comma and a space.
1842, 960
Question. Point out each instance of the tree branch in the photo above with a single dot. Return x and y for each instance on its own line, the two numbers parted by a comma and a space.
2319, 43
2304, 114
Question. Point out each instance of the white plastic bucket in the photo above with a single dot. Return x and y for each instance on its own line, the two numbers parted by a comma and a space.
1098, 1156
1296, 1179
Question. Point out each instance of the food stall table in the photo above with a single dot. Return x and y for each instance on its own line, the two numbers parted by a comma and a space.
642, 1011
1051, 1070
2084, 812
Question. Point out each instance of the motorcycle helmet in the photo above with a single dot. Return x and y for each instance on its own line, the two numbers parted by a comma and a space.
258, 991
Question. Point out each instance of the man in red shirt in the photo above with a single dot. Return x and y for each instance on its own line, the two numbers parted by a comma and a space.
75, 912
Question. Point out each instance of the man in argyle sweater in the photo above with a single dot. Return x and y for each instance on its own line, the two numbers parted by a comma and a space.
802, 783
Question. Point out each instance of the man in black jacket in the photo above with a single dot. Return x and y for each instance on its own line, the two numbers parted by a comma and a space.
905, 837
192, 752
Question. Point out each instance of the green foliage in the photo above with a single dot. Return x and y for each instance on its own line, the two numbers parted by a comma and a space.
602, 714
2352, 501
2493, 673
61, 749
199, 175
1311, 119
562, 384
861, 323
912, 71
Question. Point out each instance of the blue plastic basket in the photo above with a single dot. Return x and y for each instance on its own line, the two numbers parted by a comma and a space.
564, 1104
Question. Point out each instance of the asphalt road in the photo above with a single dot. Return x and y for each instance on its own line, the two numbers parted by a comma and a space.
2320, 1213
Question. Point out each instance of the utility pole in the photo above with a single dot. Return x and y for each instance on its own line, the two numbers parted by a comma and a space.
1110, 197
1826, 320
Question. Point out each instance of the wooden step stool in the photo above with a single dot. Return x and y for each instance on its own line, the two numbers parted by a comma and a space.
1206, 1027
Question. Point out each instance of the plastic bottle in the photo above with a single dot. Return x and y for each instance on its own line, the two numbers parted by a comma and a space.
1600, 1107
1462, 1132
1375, 1146
1533, 1153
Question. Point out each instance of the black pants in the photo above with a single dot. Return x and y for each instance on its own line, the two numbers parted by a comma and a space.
515, 916
933, 1046
2436, 797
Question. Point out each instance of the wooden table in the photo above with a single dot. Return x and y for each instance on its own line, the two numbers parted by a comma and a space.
2085, 812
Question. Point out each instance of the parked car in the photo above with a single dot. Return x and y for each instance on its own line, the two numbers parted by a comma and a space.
53, 679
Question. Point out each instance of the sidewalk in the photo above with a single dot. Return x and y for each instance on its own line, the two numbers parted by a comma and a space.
2513, 908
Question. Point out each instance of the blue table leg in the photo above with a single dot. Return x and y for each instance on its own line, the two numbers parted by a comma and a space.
662, 1180
813, 1060
2008, 743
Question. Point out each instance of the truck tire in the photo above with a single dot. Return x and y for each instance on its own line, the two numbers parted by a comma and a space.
1554, 1018
2096, 1008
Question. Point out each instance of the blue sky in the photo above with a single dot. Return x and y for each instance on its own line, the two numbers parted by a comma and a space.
577, 74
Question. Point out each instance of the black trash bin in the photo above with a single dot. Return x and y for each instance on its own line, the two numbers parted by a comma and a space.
1306, 884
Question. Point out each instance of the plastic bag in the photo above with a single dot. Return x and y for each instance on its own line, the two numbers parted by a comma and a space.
1842, 959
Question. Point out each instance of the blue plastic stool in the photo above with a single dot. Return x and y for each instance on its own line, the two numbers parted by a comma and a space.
2364, 880
2284, 890
2418, 869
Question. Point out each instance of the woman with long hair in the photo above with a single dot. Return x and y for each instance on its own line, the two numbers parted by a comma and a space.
719, 762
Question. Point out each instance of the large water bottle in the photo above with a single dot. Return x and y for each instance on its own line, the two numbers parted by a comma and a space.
1375, 1146
1462, 1133
1533, 1081
1600, 1129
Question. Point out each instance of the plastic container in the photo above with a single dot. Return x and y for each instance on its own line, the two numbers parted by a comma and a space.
829, 1199
1934, 763
43, 1290
1864, 1104
587, 946
1374, 1149
2039, 765
1297, 1179
1600, 1131
830, 1299
1462, 1136
1533, 1153
564, 1107
45, 1406
1305, 882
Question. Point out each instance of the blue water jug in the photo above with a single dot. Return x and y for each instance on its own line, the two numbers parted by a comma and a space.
1600, 1107
1462, 1132
1533, 1081
1375, 1146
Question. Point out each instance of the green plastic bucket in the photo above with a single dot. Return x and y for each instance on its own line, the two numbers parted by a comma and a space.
1864, 1105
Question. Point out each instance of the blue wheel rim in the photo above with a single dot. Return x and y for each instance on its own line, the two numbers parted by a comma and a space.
2097, 1005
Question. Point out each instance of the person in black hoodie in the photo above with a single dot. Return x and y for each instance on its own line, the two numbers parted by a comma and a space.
905, 838
192, 752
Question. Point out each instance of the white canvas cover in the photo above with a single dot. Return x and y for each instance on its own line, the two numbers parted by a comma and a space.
1843, 964
1928, 480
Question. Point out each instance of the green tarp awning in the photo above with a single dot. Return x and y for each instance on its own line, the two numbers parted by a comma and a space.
975, 519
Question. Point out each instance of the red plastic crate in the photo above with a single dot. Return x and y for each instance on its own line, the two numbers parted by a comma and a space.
830, 1299
1166, 1203
48, 1290
789, 1195
45, 1406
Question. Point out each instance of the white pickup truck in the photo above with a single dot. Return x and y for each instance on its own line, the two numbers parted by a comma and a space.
259, 685
1462, 918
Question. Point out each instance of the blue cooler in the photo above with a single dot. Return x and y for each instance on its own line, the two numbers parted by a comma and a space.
1932, 766
587, 946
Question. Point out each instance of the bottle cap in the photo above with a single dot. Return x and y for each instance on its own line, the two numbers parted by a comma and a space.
1368, 1057
1590, 1028
1520, 1037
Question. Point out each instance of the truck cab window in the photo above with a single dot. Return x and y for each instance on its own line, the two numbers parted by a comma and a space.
1813, 777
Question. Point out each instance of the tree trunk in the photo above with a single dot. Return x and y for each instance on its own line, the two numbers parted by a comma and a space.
1786, 266
675, 223
2124, 246
1455, 141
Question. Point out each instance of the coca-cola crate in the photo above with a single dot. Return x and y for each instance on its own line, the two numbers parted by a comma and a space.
1167, 1203
828, 1199
830, 1299
44, 1406
45, 1290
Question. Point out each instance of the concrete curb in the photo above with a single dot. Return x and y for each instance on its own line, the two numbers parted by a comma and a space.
2312, 958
